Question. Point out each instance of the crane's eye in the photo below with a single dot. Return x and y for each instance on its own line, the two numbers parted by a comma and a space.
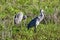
15, 16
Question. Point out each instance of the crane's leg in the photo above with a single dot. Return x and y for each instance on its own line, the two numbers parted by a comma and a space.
35, 29
25, 22
21, 25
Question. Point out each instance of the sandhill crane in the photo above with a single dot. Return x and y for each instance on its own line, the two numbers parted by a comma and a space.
19, 17
35, 22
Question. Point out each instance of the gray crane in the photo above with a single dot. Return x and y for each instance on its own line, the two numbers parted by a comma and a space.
19, 17
35, 22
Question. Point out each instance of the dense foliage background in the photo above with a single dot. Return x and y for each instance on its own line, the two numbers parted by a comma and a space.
9, 31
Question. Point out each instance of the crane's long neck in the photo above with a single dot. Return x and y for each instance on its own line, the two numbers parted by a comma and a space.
41, 17
41, 14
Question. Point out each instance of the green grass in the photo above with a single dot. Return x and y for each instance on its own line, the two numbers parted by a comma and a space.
8, 8
44, 32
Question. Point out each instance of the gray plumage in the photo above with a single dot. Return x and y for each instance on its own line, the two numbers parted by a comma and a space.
35, 22
19, 17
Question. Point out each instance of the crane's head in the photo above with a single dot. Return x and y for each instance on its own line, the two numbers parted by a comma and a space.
24, 17
41, 10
